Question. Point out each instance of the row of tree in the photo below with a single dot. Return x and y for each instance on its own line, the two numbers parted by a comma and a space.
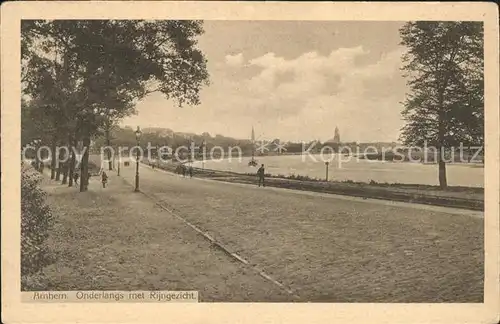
81, 77
124, 137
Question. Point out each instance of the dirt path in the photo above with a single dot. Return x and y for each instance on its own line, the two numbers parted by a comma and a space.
328, 249
115, 239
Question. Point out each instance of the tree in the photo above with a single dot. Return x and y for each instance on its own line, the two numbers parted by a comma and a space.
111, 119
108, 66
32, 121
444, 67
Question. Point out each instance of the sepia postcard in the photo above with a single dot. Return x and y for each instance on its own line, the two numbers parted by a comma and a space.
250, 162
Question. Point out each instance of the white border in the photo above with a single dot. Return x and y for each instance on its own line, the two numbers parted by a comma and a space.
14, 311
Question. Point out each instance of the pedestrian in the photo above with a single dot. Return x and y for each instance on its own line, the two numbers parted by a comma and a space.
104, 179
190, 171
260, 174
75, 177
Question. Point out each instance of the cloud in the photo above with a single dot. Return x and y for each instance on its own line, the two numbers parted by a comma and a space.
234, 60
324, 91
299, 98
311, 71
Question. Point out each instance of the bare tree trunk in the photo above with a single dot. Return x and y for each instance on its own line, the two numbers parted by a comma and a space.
108, 143
60, 156
85, 127
58, 171
72, 162
441, 132
53, 160
64, 166
84, 174
65, 172
442, 173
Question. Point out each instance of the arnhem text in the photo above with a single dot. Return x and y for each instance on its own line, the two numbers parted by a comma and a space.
110, 296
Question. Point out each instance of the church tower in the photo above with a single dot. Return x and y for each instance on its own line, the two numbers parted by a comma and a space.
336, 138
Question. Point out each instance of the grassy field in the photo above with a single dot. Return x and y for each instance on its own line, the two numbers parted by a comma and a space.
324, 250
114, 239
335, 250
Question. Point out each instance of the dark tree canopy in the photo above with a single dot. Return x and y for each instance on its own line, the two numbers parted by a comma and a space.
117, 60
88, 74
444, 64
445, 105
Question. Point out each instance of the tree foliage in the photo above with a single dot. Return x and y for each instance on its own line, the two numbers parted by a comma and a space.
87, 74
445, 104
112, 63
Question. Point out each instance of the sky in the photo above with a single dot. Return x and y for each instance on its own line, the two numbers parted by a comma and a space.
292, 80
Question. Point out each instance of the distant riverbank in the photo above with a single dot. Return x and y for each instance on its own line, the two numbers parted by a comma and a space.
455, 196
383, 157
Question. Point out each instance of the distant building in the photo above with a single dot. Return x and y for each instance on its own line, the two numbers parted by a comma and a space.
336, 137
159, 131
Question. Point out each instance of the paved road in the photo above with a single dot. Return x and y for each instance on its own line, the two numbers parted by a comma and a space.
334, 249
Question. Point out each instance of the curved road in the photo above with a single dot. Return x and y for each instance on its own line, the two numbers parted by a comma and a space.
329, 248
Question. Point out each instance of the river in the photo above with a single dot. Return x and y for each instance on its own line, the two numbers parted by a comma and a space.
341, 169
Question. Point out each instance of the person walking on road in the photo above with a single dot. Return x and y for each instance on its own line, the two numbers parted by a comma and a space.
190, 169
260, 174
104, 179
75, 177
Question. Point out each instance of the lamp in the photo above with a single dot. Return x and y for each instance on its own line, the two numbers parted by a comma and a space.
36, 142
138, 134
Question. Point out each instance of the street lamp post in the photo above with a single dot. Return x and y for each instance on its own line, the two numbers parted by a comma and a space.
138, 134
37, 160
119, 162
326, 164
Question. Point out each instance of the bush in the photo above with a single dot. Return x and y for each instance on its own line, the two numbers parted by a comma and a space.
36, 221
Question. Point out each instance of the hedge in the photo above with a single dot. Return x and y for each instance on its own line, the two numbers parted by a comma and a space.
36, 222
